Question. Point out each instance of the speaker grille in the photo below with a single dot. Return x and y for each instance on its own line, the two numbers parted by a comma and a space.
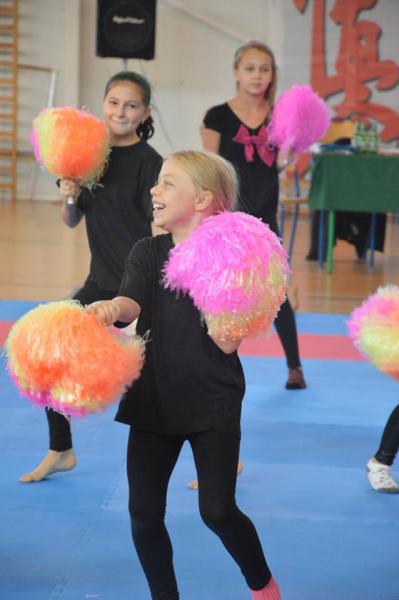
125, 29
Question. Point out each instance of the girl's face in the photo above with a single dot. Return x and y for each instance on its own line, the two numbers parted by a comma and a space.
124, 110
174, 197
254, 72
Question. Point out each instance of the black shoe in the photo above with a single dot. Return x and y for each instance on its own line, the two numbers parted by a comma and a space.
295, 379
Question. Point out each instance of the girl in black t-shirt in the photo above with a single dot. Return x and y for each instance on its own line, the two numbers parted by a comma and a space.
118, 212
191, 387
237, 131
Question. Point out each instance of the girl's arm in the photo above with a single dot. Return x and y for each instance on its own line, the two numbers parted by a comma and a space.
285, 158
210, 139
120, 308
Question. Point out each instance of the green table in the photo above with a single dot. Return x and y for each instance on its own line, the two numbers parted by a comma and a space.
353, 182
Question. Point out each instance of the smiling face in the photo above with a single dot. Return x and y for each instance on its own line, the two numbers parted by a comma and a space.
254, 72
124, 110
179, 206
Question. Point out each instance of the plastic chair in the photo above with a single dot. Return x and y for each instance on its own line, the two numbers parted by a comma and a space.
290, 201
339, 128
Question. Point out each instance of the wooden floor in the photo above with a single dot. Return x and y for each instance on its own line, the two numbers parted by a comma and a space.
42, 259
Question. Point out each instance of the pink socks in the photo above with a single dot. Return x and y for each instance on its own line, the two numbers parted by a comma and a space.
269, 592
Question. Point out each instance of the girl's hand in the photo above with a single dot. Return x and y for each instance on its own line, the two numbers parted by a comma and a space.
285, 158
69, 189
107, 311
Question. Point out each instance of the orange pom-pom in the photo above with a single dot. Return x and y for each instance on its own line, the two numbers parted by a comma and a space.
71, 143
61, 357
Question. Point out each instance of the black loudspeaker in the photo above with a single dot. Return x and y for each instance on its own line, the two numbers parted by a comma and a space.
126, 28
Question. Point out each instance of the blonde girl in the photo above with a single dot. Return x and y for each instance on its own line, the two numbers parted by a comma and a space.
191, 388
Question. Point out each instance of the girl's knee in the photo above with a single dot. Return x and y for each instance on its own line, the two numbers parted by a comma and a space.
217, 517
146, 519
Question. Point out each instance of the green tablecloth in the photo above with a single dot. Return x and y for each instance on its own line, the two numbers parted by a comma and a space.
355, 182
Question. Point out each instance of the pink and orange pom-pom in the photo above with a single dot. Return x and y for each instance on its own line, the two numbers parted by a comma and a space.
374, 329
60, 356
300, 118
235, 270
70, 143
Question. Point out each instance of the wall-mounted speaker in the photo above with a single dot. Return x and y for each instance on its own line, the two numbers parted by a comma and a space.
126, 28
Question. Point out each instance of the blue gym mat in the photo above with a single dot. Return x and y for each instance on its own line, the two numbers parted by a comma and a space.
327, 535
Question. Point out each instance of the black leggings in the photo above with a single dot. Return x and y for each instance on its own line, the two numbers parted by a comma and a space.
389, 444
285, 321
286, 330
58, 425
151, 458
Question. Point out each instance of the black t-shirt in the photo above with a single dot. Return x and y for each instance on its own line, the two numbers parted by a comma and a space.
258, 180
188, 384
118, 211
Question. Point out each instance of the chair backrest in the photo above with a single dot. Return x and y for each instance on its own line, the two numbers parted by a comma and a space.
340, 128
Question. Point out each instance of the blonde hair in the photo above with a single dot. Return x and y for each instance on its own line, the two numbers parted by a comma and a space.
211, 173
270, 93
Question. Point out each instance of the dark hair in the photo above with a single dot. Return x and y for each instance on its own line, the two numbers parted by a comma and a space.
144, 130
270, 93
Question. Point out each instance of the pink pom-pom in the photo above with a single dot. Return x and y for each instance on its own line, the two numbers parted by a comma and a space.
234, 268
374, 329
300, 118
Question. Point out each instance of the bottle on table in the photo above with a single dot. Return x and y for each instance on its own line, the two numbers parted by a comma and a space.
374, 138
359, 137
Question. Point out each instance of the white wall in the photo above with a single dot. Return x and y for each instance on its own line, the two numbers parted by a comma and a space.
192, 67
49, 36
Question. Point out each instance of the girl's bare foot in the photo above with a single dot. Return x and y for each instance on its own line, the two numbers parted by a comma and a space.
193, 485
52, 463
